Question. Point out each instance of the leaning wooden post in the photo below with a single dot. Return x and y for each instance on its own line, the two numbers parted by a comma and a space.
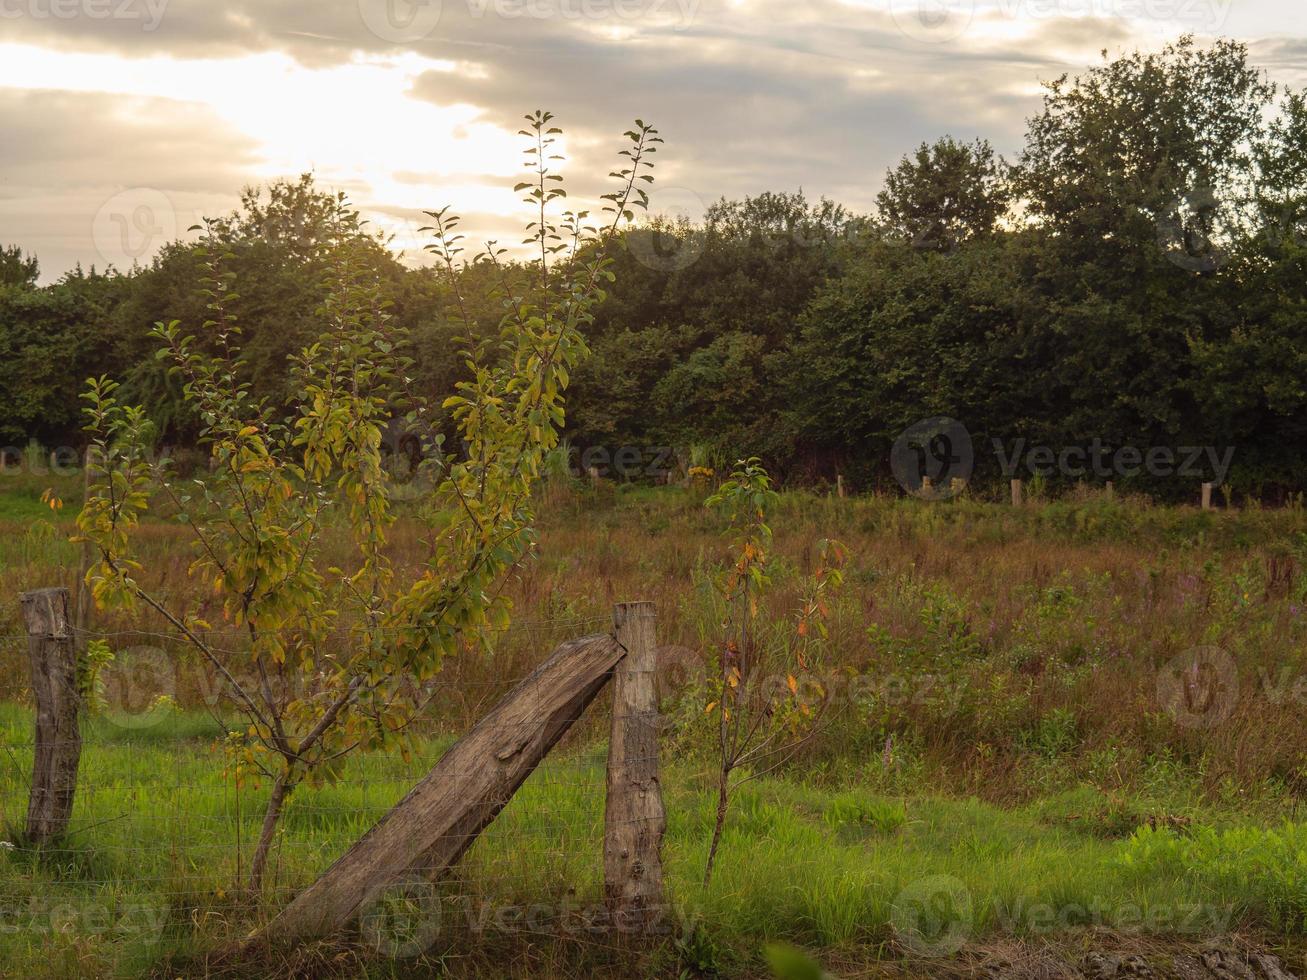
427, 831
1016, 493
53, 658
634, 819
1207, 496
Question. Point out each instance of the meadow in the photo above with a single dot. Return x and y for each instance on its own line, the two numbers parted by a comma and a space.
1005, 750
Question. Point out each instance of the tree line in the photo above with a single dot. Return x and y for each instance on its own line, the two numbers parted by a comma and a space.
1134, 277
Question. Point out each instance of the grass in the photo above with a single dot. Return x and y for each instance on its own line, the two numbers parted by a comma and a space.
1001, 763
149, 867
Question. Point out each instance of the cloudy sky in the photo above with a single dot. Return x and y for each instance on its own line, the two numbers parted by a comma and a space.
122, 121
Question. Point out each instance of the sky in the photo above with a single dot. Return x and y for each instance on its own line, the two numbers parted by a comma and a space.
122, 122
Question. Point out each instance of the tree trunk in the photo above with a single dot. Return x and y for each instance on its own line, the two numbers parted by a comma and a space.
442, 816
276, 803
722, 798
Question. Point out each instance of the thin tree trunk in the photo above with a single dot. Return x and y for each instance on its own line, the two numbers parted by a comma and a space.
280, 790
722, 795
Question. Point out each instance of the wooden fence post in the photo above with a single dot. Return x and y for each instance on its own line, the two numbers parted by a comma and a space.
1207, 496
1016, 493
53, 658
634, 819
427, 831
1110, 487
839, 485
927, 486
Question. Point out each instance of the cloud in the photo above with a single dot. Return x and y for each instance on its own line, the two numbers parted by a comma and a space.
70, 159
412, 104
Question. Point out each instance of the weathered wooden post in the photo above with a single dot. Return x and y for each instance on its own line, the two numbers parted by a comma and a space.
927, 486
1207, 496
1016, 493
1110, 487
634, 819
839, 485
441, 817
53, 658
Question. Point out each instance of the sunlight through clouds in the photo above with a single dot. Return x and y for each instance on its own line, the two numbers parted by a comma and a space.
759, 94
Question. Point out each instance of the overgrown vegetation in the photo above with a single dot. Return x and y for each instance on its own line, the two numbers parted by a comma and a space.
1000, 723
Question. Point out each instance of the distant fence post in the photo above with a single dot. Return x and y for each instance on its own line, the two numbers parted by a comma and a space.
634, 818
839, 485
1207, 496
58, 749
1016, 493
1110, 487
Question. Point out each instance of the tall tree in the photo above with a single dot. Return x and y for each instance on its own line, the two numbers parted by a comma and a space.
945, 194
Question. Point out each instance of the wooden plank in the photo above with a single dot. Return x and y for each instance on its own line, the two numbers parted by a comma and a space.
58, 749
634, 818
441, 817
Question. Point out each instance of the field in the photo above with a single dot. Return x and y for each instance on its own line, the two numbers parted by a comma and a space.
1005, 752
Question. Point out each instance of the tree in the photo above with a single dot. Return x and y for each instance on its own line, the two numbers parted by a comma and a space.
760, 724
946, 194
338, 659
50, 338
17, 269
1147, 145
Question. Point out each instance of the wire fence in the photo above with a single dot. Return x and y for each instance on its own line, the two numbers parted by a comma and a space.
168, 811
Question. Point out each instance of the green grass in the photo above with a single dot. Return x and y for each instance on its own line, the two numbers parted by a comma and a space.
1010, 805
149, 867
